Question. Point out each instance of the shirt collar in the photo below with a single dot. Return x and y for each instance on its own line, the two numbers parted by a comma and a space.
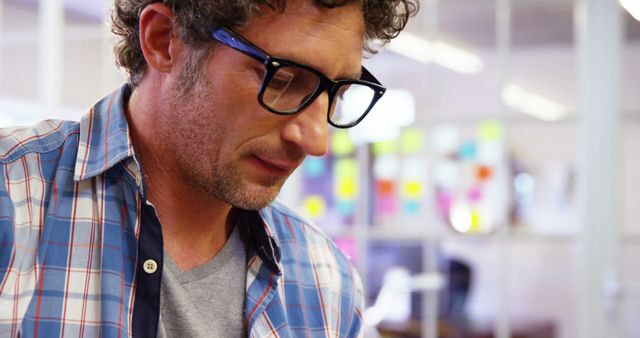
255, 231
104, 135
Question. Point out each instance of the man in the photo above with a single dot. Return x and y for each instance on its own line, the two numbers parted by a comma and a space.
153, 216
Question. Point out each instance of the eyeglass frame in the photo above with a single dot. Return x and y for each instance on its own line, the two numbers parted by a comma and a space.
235, 41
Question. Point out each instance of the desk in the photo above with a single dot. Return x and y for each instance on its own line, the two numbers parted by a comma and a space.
519, 329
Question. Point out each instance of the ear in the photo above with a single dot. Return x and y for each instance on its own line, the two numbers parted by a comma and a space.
159, 41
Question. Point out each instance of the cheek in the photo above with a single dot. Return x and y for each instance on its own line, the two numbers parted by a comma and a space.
223, 114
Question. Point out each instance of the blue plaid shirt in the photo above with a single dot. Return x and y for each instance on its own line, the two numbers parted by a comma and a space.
75, 230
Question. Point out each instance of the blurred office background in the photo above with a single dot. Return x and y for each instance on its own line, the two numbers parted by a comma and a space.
492, 193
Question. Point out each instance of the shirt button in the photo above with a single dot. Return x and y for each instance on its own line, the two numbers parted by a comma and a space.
150, 266
138, 180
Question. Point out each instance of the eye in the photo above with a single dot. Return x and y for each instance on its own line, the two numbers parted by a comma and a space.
281, 80
342, 91
258, 72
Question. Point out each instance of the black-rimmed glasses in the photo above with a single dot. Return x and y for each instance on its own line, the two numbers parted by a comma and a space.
289, 87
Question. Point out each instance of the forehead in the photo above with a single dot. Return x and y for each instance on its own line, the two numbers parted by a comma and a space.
329, 39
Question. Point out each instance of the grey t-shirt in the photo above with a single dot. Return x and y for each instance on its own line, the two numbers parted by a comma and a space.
207, 301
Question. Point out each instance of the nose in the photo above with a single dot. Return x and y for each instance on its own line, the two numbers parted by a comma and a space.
309, 129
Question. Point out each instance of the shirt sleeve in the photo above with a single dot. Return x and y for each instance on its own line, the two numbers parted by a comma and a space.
17, 257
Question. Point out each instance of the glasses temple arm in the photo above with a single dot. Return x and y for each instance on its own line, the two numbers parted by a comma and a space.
367, 76
227, 37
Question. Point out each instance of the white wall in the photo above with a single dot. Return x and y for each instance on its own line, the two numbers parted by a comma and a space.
89, 72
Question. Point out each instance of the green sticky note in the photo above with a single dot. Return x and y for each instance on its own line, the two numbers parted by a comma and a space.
385, 148
345, 169
411, 141
341, 144
491, 131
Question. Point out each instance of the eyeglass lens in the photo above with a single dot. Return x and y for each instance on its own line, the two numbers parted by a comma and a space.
350, 103
290, 87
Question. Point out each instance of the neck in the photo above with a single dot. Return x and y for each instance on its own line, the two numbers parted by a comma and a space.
195, 226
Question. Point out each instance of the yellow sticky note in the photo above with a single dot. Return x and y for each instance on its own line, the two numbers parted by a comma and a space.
315, 205
476, 221
346, 189
412, 189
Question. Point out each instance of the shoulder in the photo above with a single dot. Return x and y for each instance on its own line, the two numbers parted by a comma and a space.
30, 159
44, 137
306, 248
316, 276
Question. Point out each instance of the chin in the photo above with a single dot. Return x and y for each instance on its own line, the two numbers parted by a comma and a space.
241, 191
251, 203
252, 197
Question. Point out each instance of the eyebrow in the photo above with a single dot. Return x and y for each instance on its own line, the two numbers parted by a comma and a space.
238, 42
352, 76
358, 75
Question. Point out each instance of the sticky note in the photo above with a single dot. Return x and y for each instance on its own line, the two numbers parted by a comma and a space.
341, 144
411, 141
490, 131
315, 205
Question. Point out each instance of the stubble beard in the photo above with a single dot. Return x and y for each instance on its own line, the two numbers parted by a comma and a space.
199, 163
225, 184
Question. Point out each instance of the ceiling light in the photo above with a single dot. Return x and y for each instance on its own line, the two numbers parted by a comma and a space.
633, 7
439, 52
532, 104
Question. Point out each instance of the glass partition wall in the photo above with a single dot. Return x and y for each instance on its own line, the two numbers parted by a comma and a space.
502, 203
630, 191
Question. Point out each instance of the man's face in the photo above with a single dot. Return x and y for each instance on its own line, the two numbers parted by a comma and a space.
223, 141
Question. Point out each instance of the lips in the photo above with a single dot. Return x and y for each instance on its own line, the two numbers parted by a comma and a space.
275, 167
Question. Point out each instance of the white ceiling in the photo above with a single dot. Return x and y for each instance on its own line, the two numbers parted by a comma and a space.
543, 57
472, 23
467, 22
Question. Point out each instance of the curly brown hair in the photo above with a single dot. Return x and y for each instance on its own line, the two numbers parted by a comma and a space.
195, 19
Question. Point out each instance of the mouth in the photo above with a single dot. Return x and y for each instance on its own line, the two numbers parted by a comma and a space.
277, 168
